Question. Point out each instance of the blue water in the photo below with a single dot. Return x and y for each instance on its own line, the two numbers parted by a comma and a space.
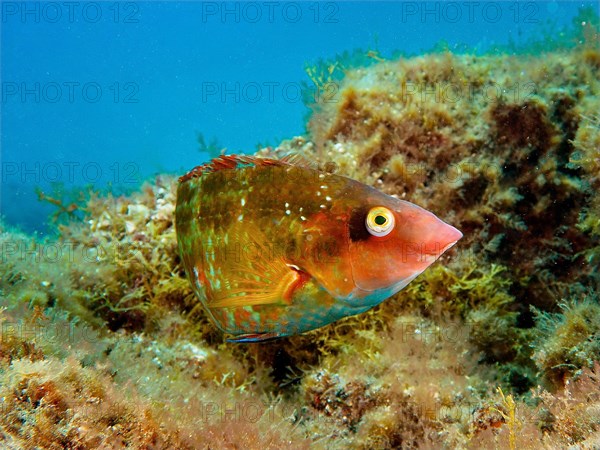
111, 93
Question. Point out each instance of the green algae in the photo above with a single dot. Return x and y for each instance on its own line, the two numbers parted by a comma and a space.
105, 334
568, 341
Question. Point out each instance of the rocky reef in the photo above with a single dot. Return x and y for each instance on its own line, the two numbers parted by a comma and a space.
104, 345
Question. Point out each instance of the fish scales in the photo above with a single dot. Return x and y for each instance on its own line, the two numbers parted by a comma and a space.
273, 248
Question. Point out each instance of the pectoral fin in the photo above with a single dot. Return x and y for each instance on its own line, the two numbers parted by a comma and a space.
253, 287
262, 279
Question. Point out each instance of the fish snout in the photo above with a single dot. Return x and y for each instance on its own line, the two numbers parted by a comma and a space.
438, 236
423, 236
448, 235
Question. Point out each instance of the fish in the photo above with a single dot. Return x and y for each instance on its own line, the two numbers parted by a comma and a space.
277, 247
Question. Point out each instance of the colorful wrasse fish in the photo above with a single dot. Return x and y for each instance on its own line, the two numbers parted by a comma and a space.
274, 248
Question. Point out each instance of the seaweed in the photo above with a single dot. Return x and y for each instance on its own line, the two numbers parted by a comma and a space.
568, 341
104, 343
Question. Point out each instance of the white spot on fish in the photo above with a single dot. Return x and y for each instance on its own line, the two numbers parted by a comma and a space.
240, 217
324, 187
300, 209
288, 212
322, 206
302, 218
197, 278
243, 201
287, 205
318, 193
328, 198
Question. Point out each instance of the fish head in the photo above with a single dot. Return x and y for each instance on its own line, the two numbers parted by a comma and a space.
391, 242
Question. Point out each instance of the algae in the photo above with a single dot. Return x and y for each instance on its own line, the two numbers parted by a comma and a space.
104, 345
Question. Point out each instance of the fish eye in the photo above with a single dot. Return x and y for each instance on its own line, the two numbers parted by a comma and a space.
380, 221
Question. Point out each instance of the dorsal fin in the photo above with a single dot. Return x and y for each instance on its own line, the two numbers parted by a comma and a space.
298, 160
227, 162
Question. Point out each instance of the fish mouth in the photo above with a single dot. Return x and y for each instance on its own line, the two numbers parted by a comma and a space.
450, 245
430, 258
448, 235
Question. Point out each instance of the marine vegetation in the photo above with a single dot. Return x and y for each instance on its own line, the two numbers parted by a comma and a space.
496, 345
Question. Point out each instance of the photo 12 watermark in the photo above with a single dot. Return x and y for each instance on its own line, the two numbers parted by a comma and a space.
32, 252
471, 12
70, 12
268, 92
70, 92
241, 411
432, 333
47, 332
452, 93
270, 12
71, 172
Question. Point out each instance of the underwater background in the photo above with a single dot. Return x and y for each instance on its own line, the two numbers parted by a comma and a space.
485, 113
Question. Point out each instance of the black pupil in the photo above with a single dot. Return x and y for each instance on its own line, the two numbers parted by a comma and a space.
380, 220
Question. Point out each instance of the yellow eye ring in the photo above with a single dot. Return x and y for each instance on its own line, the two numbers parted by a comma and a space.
380, 221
